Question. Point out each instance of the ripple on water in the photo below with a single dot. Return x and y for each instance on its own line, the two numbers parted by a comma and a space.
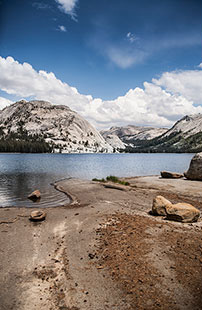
14, 190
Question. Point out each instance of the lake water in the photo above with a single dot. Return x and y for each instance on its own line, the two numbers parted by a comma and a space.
20, 174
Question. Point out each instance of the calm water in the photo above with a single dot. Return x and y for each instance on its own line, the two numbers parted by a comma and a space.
20, 174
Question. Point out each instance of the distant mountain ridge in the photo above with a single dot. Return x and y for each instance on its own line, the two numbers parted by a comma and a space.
60, 127
39, 126
184, 136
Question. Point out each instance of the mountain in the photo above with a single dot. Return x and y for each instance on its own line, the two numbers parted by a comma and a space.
185, 136
56, 127
122, 137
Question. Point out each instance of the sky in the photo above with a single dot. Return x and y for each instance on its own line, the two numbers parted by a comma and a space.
115, 62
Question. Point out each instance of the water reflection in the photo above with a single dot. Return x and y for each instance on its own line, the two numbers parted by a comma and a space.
15, 187
21, 174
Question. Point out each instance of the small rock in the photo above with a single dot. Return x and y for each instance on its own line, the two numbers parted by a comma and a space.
171, 175
37, 216
36, 195
91, 256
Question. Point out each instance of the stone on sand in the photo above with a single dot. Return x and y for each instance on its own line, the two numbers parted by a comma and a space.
171, 175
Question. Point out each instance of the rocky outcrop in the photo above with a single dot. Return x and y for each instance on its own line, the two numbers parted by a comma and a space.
171, 175
114, 141
160, 204
195, 169
63, 129
181, 212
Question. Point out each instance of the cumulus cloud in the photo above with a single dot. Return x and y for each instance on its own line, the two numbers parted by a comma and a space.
200, 66
62, 28
186, 83
154, 104
68, 7
4, 102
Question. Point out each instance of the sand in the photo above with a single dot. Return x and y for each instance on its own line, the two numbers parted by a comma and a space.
103, 251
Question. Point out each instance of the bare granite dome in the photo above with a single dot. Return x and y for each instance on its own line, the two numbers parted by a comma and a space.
61, 127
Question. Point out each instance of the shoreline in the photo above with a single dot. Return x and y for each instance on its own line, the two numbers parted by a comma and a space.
70, 262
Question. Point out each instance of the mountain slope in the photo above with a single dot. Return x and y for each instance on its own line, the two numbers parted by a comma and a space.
63, 129
121, 137
184, 136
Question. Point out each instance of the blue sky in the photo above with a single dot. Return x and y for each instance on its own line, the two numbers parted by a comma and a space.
104, 48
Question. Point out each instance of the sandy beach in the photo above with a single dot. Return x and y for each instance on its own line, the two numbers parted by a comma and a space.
104, 250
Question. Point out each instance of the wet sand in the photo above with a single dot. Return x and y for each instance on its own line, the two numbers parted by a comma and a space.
103, 251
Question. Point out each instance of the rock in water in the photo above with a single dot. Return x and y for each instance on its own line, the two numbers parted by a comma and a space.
171, 175
37, 216
159, 205
195, 169
36, 195
182, 212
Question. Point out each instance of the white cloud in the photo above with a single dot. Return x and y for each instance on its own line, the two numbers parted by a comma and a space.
200, 66
68, 7
150, 105
186, 83
131, 37
124, 57
62, 28
4, 102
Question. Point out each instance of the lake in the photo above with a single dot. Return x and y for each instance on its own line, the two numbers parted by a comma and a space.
20, 174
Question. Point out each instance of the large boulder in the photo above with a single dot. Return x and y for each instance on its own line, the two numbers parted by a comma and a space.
171, 175
160, 204
195, 169
182, 212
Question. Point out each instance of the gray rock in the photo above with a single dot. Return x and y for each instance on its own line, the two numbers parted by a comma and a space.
195, 169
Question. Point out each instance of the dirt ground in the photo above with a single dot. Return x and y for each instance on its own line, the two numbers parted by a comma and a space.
104, 251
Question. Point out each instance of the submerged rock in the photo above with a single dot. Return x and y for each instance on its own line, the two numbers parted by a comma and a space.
171, 175
159, 205
37, 216
195, 169
36, 195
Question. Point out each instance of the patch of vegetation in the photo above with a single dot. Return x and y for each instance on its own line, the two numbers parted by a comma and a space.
99, 180
174, 143
21, 142
113, 179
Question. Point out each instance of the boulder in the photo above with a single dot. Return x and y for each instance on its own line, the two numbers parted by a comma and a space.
182, 212
195, 169
37, 216
160, 204
36, 195
171, 175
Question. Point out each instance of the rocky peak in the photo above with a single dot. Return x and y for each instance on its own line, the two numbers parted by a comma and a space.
61, 127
